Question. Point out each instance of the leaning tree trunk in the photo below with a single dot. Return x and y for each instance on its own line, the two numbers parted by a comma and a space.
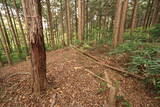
21, 27
33, 12
5, 47
6, 35
14, 24
12, 27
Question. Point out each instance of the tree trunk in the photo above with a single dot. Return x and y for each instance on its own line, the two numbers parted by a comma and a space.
1, 62
62, 24
156, 12
5, 47
21, 27
14, 24
68, 21
80, 20
122, 21
36, 39
12, 27
6, 35
50, 23
76, 19
119, 21
134, 15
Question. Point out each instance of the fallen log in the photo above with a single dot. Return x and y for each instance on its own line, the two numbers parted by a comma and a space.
120, 70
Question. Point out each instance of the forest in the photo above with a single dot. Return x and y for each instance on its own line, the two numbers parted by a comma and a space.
79, 53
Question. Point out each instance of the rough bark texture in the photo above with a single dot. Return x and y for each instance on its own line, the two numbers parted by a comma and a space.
36, 38
116, 22
50, 23
122, 21
134, 15
119, 21
80, 20
156, 12
68, 21
62, 24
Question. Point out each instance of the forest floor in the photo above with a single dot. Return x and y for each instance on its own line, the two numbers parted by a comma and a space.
72, 85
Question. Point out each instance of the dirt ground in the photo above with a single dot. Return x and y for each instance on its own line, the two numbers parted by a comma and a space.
71, 85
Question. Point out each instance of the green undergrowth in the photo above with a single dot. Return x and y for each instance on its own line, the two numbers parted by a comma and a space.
144, 50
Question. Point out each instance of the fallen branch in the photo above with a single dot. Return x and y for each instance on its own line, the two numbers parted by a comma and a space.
90, 72
106, 65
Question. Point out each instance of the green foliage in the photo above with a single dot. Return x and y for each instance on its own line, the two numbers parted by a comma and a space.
155, 31
128, 46
125, 103
138, 35
144, 54
103, 88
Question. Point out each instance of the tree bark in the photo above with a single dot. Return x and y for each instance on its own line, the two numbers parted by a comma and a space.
50, 23
36, 39
80, 20
156, 12
134, 15
119, 21
12, 27
116, 23
62, 24
122, 21
6, 35
76, 19
21, 27
68, 21
5, 47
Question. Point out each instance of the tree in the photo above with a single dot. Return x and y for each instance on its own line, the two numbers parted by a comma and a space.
80, 19
134, 15
156, 12
12, 27
33, 15
50, 23
20, 24
5, 33
68, 21
5, 47
119, 21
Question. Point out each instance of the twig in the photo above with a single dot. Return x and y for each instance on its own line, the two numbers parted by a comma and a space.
108, 83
